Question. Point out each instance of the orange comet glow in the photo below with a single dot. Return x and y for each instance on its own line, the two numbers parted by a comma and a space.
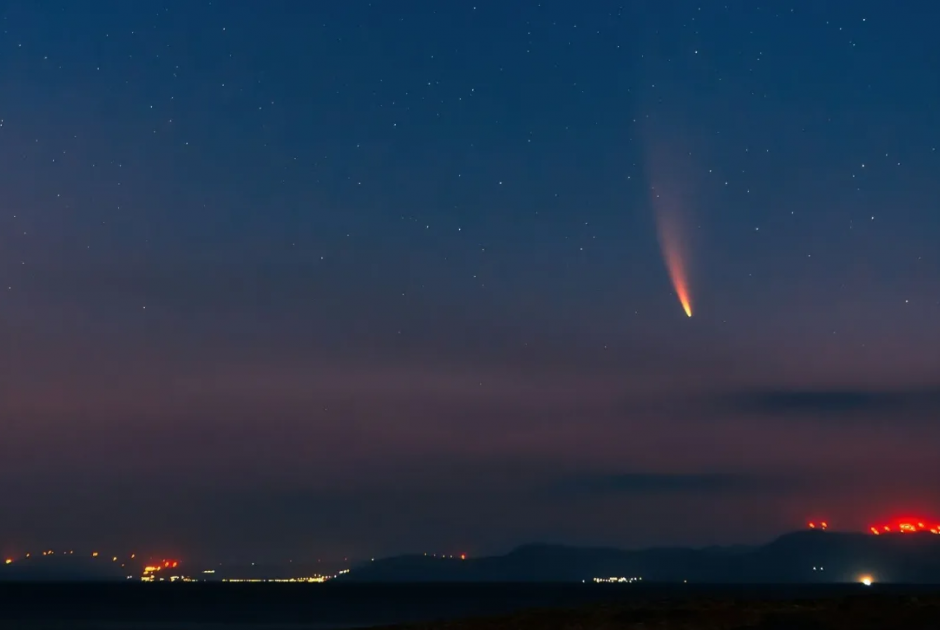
671, 243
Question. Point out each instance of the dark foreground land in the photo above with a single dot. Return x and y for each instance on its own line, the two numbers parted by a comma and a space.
858, 612
137, 606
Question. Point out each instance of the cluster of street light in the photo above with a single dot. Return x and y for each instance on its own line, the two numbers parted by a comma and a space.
617, 580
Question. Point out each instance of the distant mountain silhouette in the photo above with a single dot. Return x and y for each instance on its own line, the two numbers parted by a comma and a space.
801, 557
805, 557
63, 568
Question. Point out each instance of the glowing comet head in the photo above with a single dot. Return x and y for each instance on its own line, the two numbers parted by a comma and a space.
684, 300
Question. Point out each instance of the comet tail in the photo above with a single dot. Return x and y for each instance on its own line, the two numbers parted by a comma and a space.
670, 242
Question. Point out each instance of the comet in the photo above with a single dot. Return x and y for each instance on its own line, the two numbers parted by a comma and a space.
672, 182
673, 248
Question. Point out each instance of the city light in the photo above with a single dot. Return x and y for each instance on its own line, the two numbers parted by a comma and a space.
617, 580
866, 580
150, 571
169, 570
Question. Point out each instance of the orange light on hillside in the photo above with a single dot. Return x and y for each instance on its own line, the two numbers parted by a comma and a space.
463, 556
907, 526
9, 561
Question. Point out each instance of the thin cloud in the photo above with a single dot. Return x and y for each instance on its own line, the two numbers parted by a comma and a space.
646, 483
833, 403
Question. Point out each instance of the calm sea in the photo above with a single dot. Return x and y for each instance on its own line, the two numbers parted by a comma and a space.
318, 606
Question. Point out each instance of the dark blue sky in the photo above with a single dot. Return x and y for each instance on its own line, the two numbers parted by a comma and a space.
341, 278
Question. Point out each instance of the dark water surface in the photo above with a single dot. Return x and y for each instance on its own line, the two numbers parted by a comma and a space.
330, 606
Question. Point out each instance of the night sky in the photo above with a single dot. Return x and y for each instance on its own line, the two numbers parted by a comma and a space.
300, 279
